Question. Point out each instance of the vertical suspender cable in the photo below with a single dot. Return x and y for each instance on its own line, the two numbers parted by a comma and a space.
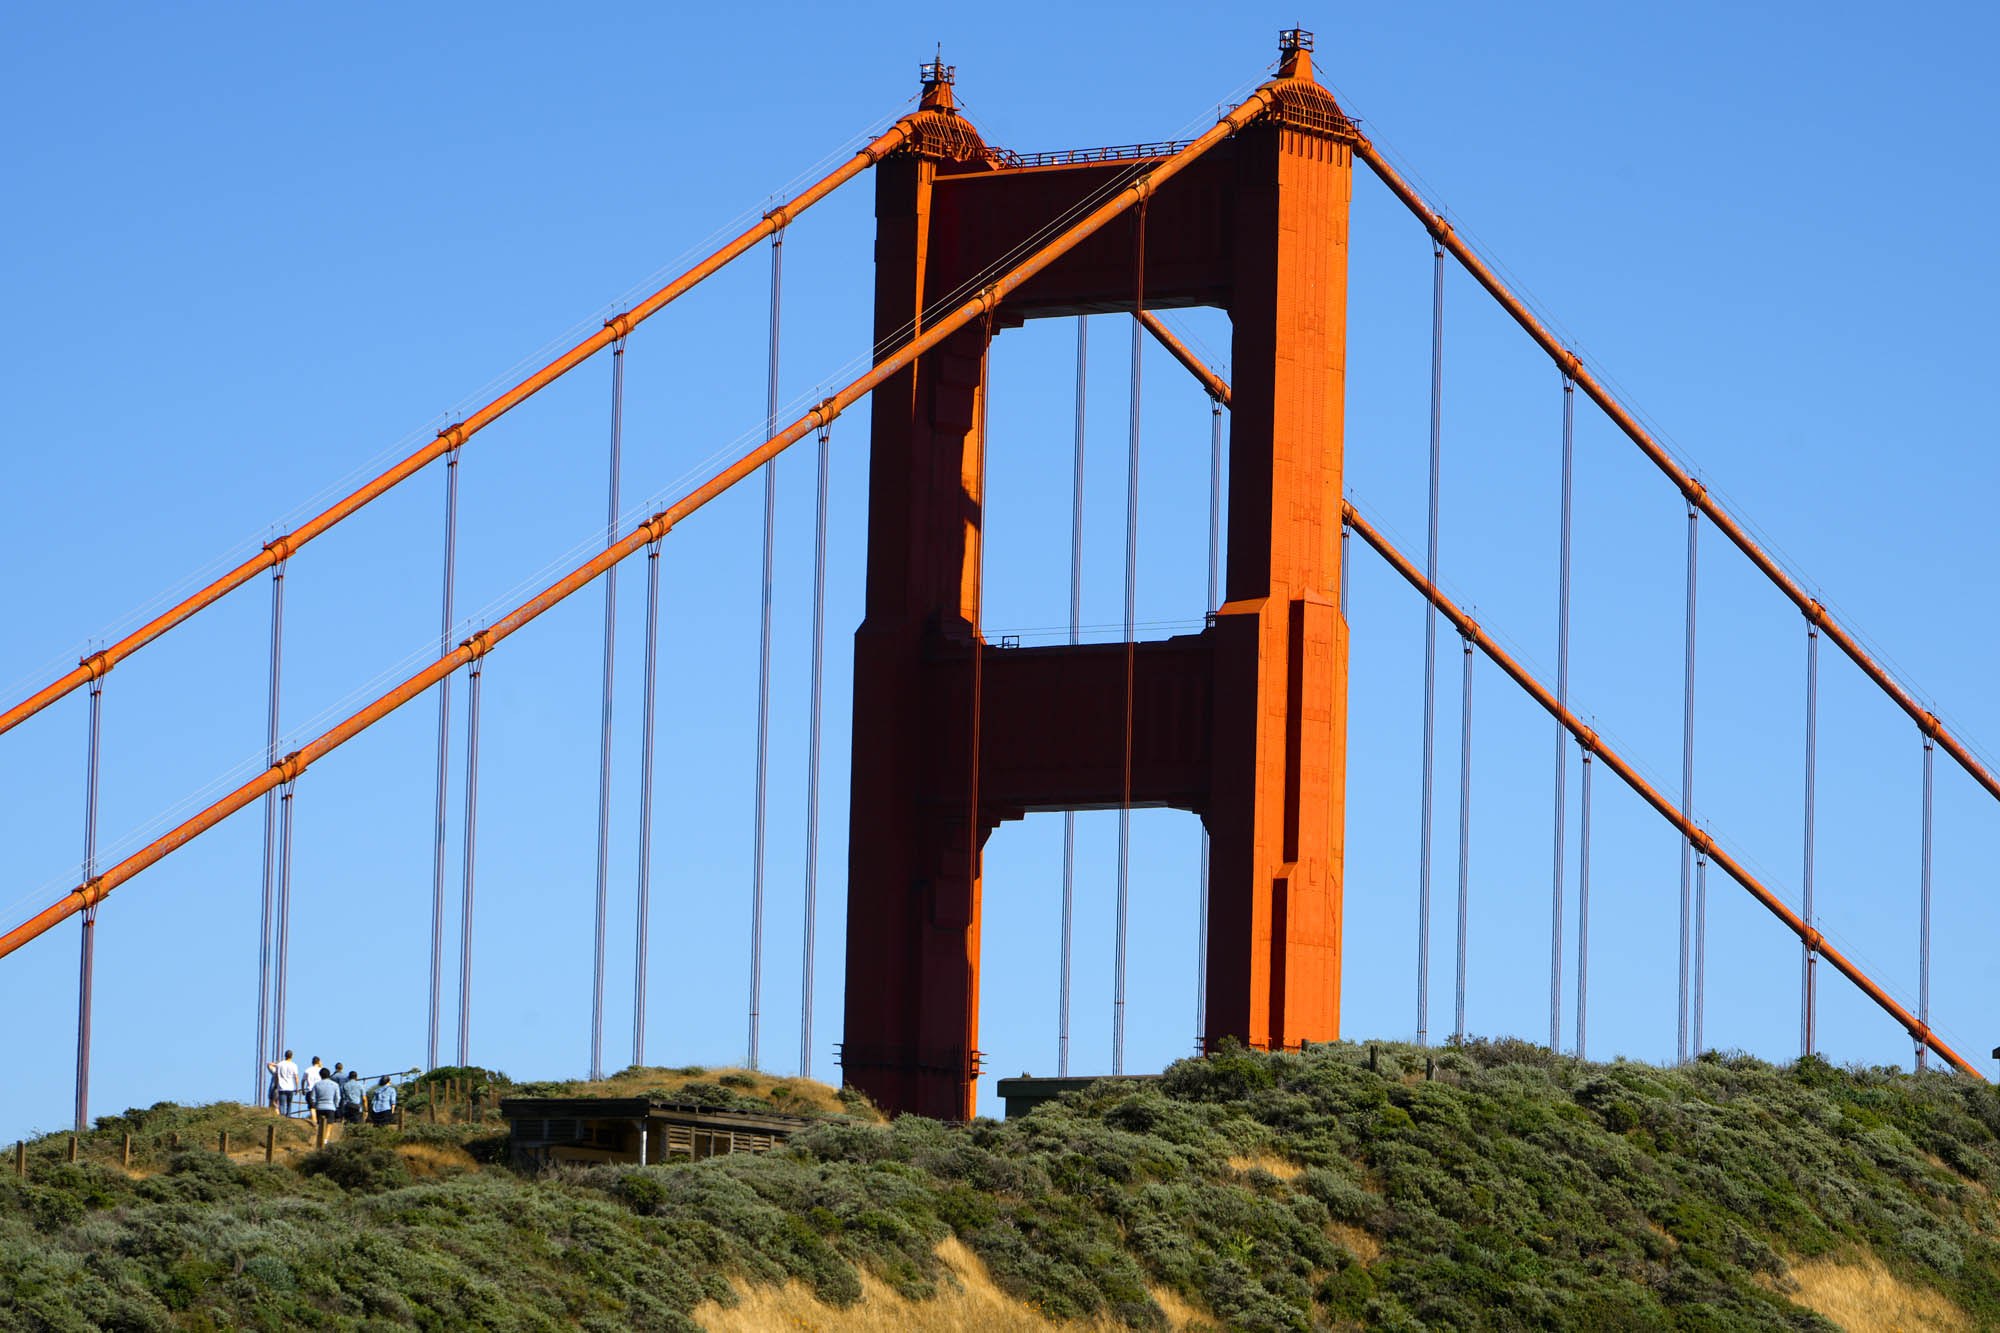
642, 927
1562, 735
1075, 636
1346, 535
282, 966
87, 953
1214, 595
1583, 907
1700, 950
604, 740
473, 669
1430, 650
764, 654
812, 755
1464, 841
1131, 650
445, 619
1924, 915
265, 1039
1806, 977
1687, 782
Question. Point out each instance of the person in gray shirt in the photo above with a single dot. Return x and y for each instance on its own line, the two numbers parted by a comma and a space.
326, 1099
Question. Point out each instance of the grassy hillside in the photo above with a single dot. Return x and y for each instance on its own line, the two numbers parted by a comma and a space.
1333, 1189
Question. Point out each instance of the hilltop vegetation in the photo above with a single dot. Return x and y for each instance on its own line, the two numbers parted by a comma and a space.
1334, 1189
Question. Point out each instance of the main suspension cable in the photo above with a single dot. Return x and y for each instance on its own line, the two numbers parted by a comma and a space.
1646, 791
1698, 493
455, 435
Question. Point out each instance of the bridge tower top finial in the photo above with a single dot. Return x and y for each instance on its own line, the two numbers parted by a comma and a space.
1295, 54
937, 78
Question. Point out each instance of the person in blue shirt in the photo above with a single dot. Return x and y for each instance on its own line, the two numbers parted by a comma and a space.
381, 1103
352, 1094
326, 1099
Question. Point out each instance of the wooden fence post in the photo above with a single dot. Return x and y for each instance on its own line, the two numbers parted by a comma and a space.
399, 1115
225, 1143
270, 1142
72, 1147
125, 1159
20, 1157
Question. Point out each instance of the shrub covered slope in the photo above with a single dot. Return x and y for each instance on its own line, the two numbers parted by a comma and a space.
1334, 1189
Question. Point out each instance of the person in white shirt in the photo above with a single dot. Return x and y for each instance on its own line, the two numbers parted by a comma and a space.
314, 1073
287, 1076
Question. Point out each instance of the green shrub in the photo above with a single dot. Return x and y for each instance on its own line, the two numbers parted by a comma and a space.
357, 1161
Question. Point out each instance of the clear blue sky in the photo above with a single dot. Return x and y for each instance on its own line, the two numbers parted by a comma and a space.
256, 252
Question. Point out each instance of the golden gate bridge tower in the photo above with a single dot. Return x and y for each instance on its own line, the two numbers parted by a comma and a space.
1244, 723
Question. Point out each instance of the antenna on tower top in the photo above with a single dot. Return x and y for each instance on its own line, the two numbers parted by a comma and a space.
935, 72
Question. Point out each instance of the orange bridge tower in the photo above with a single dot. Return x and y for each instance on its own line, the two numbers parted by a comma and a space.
1245, 723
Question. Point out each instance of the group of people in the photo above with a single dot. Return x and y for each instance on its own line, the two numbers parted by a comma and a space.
332, 1094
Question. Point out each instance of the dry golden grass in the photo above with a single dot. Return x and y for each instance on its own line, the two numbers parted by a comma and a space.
973, 1305
798, 1095
1361, 1244
1180, 1314
435, 1159
1861, 1296
1282, 1168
